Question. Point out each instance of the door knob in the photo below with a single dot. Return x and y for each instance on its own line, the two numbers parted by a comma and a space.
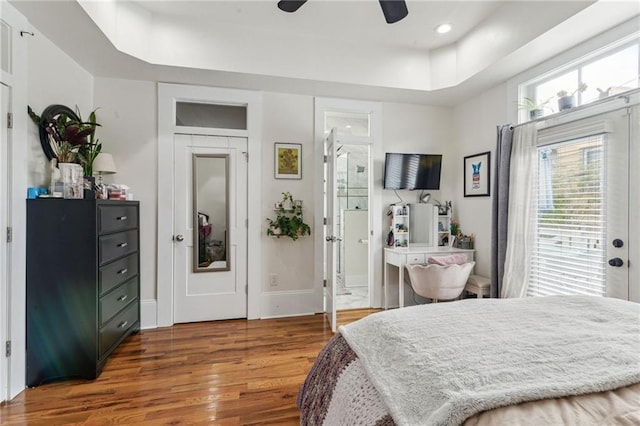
616, 261
617, 243
179, 237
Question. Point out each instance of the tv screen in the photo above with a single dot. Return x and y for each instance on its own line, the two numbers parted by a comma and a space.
412, 171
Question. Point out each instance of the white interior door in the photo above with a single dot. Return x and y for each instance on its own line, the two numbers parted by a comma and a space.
221, 293
13, 189
332, 230
4, 249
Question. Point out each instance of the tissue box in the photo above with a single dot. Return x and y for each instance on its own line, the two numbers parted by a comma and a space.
117, 194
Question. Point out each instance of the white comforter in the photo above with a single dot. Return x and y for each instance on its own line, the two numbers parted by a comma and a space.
440, 364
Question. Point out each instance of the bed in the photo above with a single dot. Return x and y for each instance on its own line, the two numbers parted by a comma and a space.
547, 360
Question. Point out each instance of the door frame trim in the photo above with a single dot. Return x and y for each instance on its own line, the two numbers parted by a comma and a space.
13, 320
168, 94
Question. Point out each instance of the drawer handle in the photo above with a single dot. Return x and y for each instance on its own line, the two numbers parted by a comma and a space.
123, 298
123, 271
123, 324
121, 218
123, 244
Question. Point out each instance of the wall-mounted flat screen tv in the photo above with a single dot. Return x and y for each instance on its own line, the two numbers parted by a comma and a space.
412, 171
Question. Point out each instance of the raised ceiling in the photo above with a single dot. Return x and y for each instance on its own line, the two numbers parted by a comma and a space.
327, 48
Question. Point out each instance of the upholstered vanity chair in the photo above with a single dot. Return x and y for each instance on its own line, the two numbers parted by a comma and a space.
440, 279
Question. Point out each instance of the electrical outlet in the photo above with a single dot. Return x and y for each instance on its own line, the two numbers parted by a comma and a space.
273, 280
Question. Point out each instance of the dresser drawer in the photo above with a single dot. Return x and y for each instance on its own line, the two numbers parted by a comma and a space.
413, 258
116, 272
113, 246
116, 218
114, 301
117, 327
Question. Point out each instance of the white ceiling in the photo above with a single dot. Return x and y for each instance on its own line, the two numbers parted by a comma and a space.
327, 48
360, 23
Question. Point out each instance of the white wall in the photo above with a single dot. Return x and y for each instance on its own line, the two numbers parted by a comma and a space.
128, 114
419, 129
475, 132
288, 118
53, 78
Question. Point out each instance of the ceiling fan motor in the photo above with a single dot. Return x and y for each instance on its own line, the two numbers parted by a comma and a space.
393, 10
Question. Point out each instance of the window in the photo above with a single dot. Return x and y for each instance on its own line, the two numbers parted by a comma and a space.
213, 116
348, 123
568, 252
599, 76
5, 52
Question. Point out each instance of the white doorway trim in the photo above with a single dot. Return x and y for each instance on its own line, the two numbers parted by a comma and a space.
323, 105
13, 319
168, 94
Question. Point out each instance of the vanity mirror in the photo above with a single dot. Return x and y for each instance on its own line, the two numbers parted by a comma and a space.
211, 212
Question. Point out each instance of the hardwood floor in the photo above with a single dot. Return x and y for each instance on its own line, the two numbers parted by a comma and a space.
234, 372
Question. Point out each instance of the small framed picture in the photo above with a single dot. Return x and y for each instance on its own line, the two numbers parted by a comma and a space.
288, 160
477, 175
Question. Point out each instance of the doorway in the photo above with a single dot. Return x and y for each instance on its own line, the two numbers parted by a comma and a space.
353, 166
358, 126
176, 107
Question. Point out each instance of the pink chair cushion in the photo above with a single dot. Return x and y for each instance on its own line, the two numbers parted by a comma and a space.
452, 259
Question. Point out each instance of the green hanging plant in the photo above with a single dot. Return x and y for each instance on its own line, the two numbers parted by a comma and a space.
288, 221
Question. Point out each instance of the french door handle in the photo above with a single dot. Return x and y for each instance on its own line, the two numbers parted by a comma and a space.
616, 262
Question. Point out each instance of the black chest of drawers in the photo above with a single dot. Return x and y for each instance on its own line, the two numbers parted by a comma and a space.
83, 285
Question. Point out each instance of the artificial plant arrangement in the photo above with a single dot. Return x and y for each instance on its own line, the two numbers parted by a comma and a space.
71, 139
288, 221
533, 106
455, 227
565, 99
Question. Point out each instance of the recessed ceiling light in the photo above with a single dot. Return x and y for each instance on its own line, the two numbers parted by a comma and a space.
443, 28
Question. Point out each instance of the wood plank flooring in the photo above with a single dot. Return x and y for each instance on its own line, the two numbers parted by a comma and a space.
233, 372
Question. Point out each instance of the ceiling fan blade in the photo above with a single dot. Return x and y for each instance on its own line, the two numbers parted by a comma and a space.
290, 5
394, 10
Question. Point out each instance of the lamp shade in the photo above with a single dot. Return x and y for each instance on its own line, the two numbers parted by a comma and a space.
104, 165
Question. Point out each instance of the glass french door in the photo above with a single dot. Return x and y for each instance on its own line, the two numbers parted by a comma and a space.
582, 221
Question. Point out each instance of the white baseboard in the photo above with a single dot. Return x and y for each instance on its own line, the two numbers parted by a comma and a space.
356, 280
288, 303
273, 305
148, 314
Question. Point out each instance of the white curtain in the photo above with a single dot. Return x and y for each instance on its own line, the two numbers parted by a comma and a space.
522, 207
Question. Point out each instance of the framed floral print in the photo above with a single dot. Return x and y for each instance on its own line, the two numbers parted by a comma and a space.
288, 160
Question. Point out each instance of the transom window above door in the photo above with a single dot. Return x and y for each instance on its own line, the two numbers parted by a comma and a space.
212, 116
348, 123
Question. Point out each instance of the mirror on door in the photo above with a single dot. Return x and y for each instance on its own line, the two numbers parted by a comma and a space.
211, 212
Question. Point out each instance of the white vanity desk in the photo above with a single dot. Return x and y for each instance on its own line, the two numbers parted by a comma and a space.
415, 253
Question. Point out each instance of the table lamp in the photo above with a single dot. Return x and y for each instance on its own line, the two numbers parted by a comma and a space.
103, 165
